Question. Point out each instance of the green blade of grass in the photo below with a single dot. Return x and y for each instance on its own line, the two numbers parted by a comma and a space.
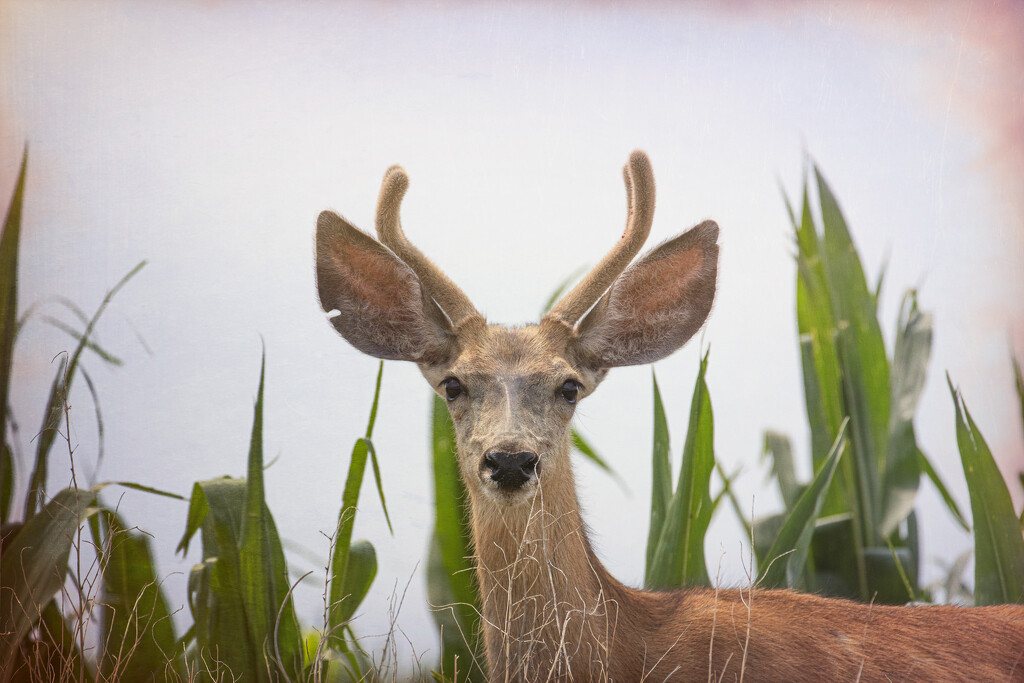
788, 554
998, 545
679, 555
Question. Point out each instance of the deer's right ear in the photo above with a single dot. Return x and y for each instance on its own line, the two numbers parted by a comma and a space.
656, 305
380, 303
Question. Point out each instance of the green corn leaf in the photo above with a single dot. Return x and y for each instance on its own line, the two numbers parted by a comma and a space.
679, 555
373, 451
865, 368
197, 511
9, 240
136, 632
35, 563
734, 502
60, 649
819, 356
59, 389
141, 487
91, 345
219, 600
262, 575
362, 569
6, 481
909, 369
661, 475
561, 288
347, 573
1018, 381
998, 545
780, 451
380, 486
55, 630
254, 561
450, 578
215, 596
585, 449
764, 531
947, 497
343, 543
459, 660
788, 555
891, 574
879, 282
913, 544
254, 565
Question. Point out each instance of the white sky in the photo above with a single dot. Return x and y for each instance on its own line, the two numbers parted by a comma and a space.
206, 137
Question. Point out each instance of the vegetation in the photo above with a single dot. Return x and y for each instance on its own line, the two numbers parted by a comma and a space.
80, 599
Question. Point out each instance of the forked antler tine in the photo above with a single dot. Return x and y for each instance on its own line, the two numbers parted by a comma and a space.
437, 285
640, 213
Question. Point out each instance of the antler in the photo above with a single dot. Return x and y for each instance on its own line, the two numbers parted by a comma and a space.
640, 213
437, 285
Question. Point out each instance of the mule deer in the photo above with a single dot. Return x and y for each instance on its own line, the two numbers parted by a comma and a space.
550, 609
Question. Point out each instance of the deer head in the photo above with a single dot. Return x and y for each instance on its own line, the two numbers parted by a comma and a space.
511, 392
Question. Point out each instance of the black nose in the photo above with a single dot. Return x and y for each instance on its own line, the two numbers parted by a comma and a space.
510, 470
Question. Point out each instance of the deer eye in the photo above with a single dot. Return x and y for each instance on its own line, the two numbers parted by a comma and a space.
570, 390
452, 388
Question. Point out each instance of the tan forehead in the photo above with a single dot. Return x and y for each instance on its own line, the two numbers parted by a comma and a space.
520, 351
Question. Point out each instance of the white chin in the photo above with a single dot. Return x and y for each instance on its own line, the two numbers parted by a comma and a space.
510, 497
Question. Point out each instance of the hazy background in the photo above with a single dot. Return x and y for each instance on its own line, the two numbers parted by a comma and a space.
206, 136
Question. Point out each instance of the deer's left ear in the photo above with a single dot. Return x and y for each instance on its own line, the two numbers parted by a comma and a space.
654, 307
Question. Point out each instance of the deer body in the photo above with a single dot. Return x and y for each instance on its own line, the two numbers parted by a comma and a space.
550, 611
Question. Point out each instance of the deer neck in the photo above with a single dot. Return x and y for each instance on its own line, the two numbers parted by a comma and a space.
547, 601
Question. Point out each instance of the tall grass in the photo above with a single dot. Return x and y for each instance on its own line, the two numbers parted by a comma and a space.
81, 600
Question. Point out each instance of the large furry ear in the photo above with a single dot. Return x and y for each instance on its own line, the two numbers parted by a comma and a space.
654, 307
380, 304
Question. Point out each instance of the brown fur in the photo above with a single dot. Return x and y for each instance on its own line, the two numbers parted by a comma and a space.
551, 612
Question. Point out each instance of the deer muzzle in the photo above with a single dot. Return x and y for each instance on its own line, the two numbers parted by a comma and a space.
510, 471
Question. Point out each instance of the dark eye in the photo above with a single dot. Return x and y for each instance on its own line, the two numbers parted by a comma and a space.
452, 388
570, 390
